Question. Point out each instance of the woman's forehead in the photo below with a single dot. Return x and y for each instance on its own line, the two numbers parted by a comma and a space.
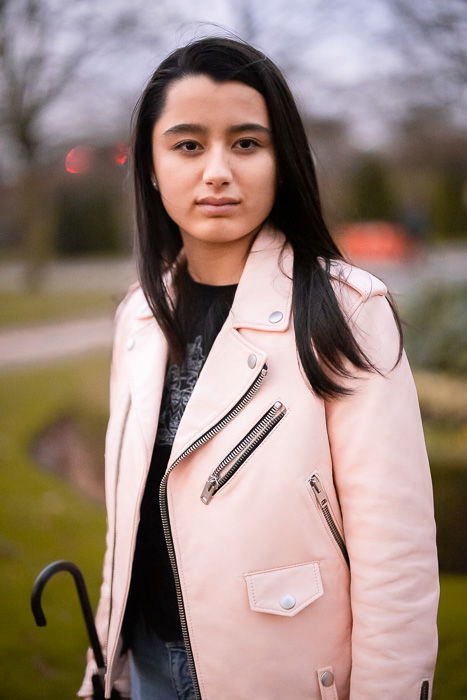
201, 101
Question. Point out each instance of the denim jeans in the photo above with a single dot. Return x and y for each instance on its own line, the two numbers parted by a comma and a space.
158, 669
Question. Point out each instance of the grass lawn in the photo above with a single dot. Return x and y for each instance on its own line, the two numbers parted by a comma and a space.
18, 308
451, 670
43, 519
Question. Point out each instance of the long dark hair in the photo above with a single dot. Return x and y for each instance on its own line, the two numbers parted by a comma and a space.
296, 212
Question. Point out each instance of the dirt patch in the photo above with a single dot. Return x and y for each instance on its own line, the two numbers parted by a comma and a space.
64, 449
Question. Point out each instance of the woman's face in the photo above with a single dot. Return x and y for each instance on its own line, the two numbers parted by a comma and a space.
214, 140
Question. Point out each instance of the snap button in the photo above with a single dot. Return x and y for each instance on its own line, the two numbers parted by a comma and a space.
327, 679
130, 343
287, 601
275, 317
251, 360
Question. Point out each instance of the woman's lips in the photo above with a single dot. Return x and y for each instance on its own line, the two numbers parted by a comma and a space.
218, 209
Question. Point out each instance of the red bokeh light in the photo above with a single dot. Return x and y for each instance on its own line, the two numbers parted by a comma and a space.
120, 153
78, 160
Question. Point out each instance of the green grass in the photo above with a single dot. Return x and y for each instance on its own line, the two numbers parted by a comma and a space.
43, 519
451, 670
18, 308
446, 442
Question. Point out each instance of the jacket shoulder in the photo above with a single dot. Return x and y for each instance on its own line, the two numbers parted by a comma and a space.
124, 318
361, 281
132, 297
353, 285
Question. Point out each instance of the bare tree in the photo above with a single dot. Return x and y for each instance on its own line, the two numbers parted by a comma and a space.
46, 46
428, 27
31, 79
368, 62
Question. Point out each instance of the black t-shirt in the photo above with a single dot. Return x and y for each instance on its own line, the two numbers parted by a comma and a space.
152, 589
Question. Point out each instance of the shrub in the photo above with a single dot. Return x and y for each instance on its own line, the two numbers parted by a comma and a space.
436, 336
87, 221
450, 495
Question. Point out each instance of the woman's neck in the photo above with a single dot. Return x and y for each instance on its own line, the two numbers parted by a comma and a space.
217, 263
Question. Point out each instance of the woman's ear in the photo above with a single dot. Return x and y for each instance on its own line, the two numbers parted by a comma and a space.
154, 182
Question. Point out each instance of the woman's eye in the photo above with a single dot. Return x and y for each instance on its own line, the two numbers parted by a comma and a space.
248, 142
191, 146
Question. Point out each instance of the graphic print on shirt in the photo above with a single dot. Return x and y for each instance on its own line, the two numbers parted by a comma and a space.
179, 384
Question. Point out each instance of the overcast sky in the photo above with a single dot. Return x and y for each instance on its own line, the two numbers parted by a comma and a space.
340, 58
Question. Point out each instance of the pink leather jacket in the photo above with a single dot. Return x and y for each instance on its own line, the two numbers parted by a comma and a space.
301, 530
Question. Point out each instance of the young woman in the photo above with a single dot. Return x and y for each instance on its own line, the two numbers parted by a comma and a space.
270, 510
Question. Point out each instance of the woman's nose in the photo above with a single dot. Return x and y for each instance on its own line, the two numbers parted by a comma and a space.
217, 169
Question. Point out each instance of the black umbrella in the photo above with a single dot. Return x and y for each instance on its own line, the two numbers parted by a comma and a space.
39, 584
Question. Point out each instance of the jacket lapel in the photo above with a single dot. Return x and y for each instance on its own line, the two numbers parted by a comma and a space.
262, 302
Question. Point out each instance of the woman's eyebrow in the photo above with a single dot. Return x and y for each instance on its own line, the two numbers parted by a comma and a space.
199, 129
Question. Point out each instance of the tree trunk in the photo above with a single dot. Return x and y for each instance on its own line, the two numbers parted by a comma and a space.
36, 212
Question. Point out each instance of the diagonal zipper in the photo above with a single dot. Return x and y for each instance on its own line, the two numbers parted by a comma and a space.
245, 447
165, 515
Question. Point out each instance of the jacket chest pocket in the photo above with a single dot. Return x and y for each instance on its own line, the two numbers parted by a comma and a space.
286, 590
242, 451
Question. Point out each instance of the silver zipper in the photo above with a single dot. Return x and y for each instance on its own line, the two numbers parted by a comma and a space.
323, 502
245, 447
165, 515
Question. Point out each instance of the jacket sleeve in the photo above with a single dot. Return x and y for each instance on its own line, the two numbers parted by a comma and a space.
383, 481
103, 608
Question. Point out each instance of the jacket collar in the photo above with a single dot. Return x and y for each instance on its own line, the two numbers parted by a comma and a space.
263, 298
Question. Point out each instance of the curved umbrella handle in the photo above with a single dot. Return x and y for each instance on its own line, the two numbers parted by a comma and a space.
39, 584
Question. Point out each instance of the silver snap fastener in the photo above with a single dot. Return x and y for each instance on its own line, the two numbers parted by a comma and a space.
327, 679
287, 601
252, 360
130, 343
276, 316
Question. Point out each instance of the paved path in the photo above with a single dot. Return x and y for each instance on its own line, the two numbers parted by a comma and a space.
431, 268
49, 342
437, 264
106, 275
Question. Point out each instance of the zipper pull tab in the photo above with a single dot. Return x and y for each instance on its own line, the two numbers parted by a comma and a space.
319, 491
210, 488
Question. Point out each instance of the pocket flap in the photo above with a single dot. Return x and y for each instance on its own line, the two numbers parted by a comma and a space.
284, 591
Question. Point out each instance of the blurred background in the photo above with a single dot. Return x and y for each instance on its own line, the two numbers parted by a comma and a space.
381, 88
